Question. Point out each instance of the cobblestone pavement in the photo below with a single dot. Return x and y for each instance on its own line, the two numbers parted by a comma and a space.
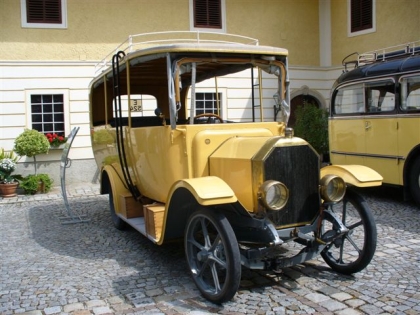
92, 268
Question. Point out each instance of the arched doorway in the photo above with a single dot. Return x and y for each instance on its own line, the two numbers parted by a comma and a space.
300, 100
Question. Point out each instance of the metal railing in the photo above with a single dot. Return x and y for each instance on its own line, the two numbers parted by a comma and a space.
382, 54
138, 41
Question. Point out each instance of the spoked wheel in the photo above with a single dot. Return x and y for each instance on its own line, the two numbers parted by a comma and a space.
354, 250
213, 256
119, 223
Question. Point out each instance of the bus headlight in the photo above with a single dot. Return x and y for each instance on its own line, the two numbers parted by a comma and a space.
333, 188
273, 195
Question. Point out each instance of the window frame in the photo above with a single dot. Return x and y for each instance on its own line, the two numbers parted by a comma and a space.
403, 93
26, 24
66, 106
364, 86
361, 32
213, 100
208, 90
209, 29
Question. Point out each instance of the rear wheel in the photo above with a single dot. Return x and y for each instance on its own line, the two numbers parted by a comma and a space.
414, 181
213, 256
119, 223
354, 250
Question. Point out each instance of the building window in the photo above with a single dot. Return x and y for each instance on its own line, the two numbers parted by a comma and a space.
361, 18
207, 15
44, 13
207, 103
47, 113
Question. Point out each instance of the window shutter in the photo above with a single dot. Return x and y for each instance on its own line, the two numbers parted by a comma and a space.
207, 13
361, 15
43, 11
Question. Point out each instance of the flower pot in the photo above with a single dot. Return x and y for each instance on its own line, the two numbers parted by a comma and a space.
8, 190
41, 188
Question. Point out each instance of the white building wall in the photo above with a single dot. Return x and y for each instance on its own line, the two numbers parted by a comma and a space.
19, 80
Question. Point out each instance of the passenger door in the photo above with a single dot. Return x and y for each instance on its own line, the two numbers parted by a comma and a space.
346, 126
381, 130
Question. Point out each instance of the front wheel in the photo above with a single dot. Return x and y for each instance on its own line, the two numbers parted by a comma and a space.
212, 254
354, 250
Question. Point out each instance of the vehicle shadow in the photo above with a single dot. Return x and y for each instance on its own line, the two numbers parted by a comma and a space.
94, 260
389, 207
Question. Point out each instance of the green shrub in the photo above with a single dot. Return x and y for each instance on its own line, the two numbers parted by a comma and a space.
9, 155
31, 184
312, 125
31, 142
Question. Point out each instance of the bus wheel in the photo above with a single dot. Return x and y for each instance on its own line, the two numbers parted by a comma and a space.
414, 181
354, 250
119, 223
212, 254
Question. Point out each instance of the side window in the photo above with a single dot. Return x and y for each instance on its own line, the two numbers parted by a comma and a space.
207, 103
380, 96
361, 17
207, 15
47, 113
140, 105
410, 93
44, 13
349, 100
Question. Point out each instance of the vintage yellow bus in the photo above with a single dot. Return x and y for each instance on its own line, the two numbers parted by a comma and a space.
237, 193
375, 115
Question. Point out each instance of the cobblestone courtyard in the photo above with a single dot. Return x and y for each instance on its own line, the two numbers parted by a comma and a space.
93, 268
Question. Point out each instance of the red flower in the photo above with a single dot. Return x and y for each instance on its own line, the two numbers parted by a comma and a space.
50, 140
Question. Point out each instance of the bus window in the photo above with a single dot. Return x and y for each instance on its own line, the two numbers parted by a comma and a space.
349, 100
410, 93
380, 96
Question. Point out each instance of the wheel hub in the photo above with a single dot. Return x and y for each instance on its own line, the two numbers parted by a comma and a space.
203, 255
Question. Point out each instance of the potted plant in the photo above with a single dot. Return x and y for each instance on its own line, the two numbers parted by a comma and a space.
31, 143
56, 141
8, 181
32, 184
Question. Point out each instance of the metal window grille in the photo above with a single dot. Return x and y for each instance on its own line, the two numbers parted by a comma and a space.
44, 11
361, 15
207, 103
47, 112
208, 13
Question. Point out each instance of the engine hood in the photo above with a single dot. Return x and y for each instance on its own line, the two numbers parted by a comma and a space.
239, 161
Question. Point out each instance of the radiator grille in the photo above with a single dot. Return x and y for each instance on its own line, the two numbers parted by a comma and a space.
298, 168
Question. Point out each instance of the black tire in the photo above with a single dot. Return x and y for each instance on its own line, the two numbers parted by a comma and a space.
119, 223
213, 255
353, 251
414, 181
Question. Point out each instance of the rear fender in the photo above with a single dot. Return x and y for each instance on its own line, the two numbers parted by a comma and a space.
356, 175
111, 178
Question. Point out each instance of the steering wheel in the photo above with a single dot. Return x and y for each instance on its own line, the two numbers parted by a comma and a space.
209, 120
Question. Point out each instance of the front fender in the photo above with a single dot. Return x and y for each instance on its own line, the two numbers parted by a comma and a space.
188, 195
208, 191
356, 175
